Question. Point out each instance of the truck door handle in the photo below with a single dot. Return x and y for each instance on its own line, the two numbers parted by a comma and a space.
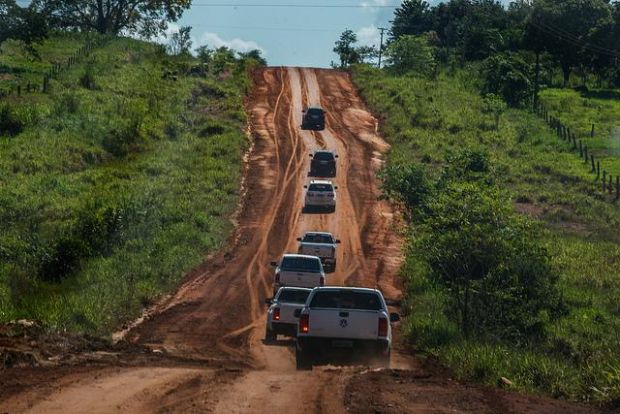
344, 314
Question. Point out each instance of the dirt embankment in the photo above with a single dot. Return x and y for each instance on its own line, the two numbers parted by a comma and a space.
200, 349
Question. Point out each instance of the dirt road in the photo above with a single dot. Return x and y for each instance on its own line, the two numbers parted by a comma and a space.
209, 333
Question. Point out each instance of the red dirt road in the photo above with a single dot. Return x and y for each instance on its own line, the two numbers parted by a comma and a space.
209, 333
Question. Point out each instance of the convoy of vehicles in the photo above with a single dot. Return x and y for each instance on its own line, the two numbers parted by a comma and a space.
321, 245
329, 323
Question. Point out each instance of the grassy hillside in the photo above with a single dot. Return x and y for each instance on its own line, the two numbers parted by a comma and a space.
579, 357
116, 182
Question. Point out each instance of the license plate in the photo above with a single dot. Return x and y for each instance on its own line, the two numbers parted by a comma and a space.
342, 344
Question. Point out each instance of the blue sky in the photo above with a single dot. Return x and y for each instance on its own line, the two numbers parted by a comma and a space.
289, 36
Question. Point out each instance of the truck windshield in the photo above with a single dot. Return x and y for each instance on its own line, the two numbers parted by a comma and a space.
293, 296
301, 264
335, 299
318, 238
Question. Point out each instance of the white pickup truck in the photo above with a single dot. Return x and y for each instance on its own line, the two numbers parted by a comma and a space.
298, 270
341, 323
281, 318
322, 245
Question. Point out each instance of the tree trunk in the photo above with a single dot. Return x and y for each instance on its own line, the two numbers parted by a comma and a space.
566, 69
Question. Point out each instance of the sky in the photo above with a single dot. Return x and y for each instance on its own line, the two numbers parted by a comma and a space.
291, 36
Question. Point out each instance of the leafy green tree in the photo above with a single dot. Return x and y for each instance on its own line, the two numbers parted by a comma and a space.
406, 184
223, 59
255, 55
181, 41
21, 23
495, 106
508, 76
498, 278
565, 27
411, 53
346, 50
145, 17
204, 54
413, 17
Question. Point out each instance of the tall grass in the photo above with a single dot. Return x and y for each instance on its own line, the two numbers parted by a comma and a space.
113, 189
425, 121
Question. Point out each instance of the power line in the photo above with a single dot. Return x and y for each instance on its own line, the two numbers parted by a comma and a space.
299, 6
272, 29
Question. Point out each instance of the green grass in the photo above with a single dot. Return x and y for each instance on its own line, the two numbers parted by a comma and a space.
426, 120
579, 110
110, 193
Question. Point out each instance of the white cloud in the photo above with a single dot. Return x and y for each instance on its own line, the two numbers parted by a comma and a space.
214, 40
370, 4
368, 36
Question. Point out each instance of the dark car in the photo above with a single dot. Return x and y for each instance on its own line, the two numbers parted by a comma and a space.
314, 119
323, 164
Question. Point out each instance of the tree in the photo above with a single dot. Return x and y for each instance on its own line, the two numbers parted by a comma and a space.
413, 17
411, 53
565, 28
223, 58
21, 23
497, 276
345, 50
144, 17
204, 54
507, 75
180, 41
255, 55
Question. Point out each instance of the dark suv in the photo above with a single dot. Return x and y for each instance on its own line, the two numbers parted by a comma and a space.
314, 119
323, 164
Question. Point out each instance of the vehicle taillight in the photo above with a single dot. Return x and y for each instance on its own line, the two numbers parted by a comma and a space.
322, 281
304, 323
276, 314
383, 327
278, 277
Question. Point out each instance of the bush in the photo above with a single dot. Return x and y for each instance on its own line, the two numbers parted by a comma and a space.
506, 75
10, 124
407, 184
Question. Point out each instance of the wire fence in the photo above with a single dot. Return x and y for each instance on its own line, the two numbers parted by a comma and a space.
57, 68
606, 182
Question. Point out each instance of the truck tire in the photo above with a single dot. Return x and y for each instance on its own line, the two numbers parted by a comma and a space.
270, 337
302, 361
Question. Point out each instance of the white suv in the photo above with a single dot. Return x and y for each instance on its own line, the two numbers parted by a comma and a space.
320, 194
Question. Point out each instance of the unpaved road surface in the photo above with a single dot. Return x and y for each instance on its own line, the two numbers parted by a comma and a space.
205, 350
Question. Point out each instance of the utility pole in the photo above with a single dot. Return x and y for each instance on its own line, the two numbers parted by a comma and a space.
383, 29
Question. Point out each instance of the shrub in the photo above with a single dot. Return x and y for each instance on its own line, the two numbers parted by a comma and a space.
506, 75
10, 124
406, 183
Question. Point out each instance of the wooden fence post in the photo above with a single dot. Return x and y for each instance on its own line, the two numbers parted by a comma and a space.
580, 149
598, 167
585, 153
610, 188
19, 90
604, 180
617, 187
574, 141
592, 132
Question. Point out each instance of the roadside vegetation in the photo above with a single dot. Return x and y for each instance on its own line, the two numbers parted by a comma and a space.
118, 180
513, 262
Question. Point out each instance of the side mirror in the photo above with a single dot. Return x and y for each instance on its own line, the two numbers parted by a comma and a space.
394, 317
337, 241
305, 186
274, 264
335, 187
335, 156
268, 301
299, 239
311, 155
297, 313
